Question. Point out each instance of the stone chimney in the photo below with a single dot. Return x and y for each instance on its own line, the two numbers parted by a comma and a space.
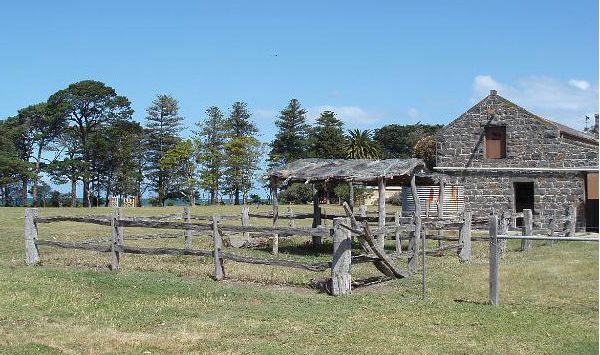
493, 92
595, 128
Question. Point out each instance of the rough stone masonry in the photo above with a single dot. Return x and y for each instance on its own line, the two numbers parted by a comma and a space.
555, 158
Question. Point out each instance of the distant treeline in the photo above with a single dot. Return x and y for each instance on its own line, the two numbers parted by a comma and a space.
85, 134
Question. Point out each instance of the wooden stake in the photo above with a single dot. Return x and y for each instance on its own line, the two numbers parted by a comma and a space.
381, 212
218, 246
494, 262
116, 239
188, 233
503, 229
351, 195
32, 254
527, 229
316, 240
291, 219
341, 278
413, 245
464, 238
398, 235
275, 200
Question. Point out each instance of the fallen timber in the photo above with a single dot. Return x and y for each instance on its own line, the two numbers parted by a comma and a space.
389, 269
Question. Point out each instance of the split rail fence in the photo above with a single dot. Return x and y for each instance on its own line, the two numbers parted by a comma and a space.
344, 229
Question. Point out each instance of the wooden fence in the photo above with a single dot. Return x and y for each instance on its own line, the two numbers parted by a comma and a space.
341, 234
344, 227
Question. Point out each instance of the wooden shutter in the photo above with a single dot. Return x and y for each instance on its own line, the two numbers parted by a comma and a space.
495, 142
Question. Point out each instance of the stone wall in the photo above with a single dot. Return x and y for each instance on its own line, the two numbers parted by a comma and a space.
530, 140
553, 194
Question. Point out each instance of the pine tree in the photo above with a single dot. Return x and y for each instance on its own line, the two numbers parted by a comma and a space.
241, 141
212, 136
163, 127
290, 142
327, 137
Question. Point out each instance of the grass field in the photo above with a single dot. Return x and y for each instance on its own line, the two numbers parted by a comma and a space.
72, 303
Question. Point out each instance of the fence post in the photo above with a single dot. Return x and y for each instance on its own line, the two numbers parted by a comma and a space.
464, 238
218, 246
117, 239
527, 229
188, 232
32, 254
362, 210
413, 245
275, 201
316, 240
503, 230
398, 236
494, 262
341, 278
571, 221
291, 218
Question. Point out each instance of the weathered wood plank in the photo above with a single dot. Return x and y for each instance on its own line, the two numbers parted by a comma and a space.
341, 279
76, 245
225, 227
83, 219
32, 254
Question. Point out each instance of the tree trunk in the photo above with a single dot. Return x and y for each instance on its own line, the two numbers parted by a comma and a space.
24, 192
73, 192
237, 196
86, 192
213, 196
161, 189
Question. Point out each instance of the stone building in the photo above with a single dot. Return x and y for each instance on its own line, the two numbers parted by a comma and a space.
507, 158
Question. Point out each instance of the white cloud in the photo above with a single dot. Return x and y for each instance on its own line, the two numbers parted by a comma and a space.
580, 84
413, 113
565, 102
349, 114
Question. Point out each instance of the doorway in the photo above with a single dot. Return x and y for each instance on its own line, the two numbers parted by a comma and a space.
523, 198
591, 202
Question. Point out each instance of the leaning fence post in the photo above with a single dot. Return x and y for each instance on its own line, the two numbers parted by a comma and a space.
464, 238
413, 244
218, 246
398, 236
527, 229
341, 277
188, 232
494, 262
116, 239
32, 254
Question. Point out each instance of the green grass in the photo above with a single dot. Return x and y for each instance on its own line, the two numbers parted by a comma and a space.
72, 303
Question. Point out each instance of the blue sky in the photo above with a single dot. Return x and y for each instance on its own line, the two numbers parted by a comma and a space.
374, 62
